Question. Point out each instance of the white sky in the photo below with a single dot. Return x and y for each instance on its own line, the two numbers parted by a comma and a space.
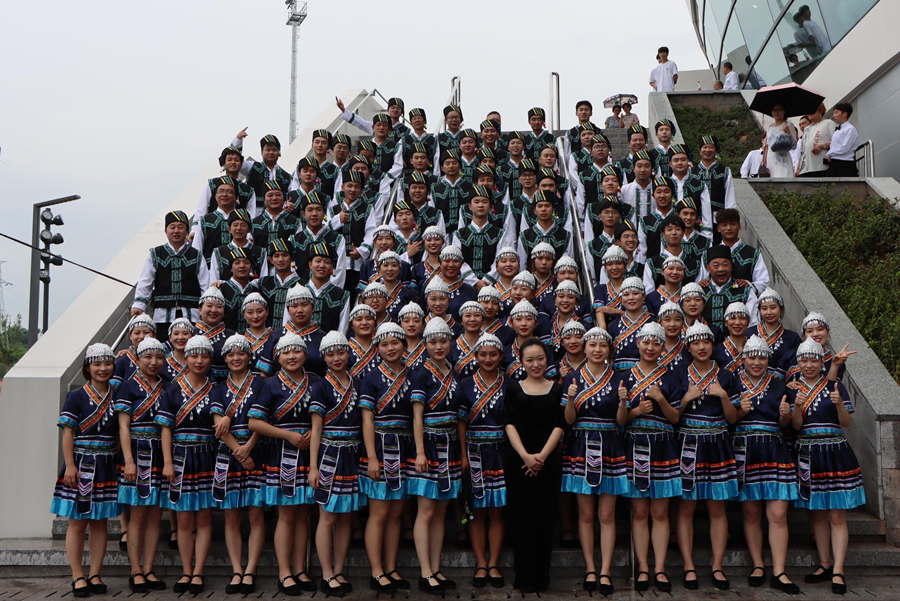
122, 103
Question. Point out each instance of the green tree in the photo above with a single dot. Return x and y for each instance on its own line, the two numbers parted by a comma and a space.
13, 342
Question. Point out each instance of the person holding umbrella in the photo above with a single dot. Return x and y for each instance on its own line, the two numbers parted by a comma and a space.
781, 102
612, 122
628, 118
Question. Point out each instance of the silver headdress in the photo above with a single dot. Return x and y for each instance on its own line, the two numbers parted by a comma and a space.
236, 342
451, 252
523, 307
433, 231
299, 294
410, 309
388, 329
615, 254
254, 298
437, 328
489, 293
198, 345
692, 289
183, 323
471, 306
488, 340
333, 341
814, 318
756, 347
525, 278
214, 294
567, 286
141, 321
770, 294
150, 345
670, 308
374, 289
598, 333
290, 342
542, 248
437, 285
387, 256
362, 308
652, 330
672, 259
736, 309
632, 283
571, 328
506, 251
810, 349
565, 263
698, 331
98, 353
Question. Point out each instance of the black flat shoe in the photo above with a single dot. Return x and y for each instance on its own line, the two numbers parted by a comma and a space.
756, 581
814, 578
720, 584
246, 589
345, 586
331, 591
480, 581
605, 589
375, 584
96, 589
234, 589
123, 544
526, 589
138, 587
663, 586
786, 587
838, 589
496, 581
155, 585
399, 581
291, 590
432, 589
691, 585
182, 587
641, 585
589, 585
445, 582
83, 591
305, 585
196, 589
173, 540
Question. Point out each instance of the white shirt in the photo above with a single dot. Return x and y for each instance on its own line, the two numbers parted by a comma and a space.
732, 81
706, 217
639, 198
795, 153
203, 205
844, 143
144, 290
663, 76
750, 168
343, 322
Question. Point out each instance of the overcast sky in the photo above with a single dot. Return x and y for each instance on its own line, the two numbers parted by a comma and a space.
123, 103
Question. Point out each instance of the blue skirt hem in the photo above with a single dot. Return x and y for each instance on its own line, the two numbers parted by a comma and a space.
190, 502
769, 491
492, 498
841, 499
344, 503
303, 495
99, 511
418, 487
380, 491
616, 485
128, 495
713, 491
658, 490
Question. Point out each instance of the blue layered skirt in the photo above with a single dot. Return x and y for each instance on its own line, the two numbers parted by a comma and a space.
97, 496
594, 461
149, 486
652, 463
829, 473
766, 470
708, 465
393, 450
194, 459
240, 487
486, 475
285, 474
443, 478
338, 464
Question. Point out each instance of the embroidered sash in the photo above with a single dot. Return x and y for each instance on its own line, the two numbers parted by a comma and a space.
238, 394
614, 296
751, 390
144, 461
475, 471
151, 396
543, 287
288, 470
298, 391
675, 298
397, 381
194, 398
517, 361
671, 354
86, 469
178, 368
593, 456
411, 357
737, 356
812, 392
100, 405
485, 392
593, 386
304, 331
467, 357
179, 453
644, 383
346, 395
772, 338
445, 381
208, 331
631, 328
256, 344
365, 357
220, 474
705, 381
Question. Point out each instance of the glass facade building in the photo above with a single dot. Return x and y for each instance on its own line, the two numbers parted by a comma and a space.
771, 42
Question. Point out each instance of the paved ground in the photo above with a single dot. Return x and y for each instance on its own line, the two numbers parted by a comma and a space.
862, 587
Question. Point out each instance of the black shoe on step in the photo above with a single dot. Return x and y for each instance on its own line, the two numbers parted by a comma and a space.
96, 589
375, 584
786, 587
247, 589
756, 581
182, 587
814, 578
138, 587
720, 583
345, 586
331, 591
663, 586
83, 591
641, 585
234, 589
291, 590
426, 586
305, 585
691, 585
838, 588
399, 581
480, 581
196, 589
589, 585
496, 581
445, 582
605, 589
155, 585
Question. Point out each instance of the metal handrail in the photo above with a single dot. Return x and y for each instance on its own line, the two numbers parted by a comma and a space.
868, 158
455, 90
587, 285
389, 209
554, 119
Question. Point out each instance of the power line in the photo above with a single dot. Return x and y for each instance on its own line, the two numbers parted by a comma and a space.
109, 277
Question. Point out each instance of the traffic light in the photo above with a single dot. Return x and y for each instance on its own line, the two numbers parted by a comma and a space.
49, 238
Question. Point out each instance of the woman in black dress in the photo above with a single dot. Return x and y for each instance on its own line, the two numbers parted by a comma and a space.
535, 421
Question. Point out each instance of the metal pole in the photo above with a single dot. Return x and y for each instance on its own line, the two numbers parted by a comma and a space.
35, 288
294, 49
46, 307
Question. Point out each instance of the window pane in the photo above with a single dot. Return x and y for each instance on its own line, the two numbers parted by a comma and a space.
771, 68
755, 22
839, 15
734, 49
713, 36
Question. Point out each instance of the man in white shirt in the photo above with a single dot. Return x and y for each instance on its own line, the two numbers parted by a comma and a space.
732, 81
841, 155
750, 168
664, 77
812, 155
798, 149
809, 34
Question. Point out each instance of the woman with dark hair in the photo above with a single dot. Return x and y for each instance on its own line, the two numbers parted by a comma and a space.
86, 491
535, 422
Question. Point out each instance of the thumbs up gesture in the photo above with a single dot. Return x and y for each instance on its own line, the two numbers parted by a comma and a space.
572, 392
623, 392
784, 408
746, 404
646, 406
835, 395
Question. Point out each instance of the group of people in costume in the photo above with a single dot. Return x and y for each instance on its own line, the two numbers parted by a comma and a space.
316, 348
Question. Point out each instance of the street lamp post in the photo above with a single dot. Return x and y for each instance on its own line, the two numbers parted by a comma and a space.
41, 275
296, 16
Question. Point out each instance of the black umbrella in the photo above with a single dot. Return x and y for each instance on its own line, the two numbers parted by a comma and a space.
795, 99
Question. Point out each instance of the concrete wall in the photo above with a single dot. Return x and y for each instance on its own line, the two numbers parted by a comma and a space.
34, 389
875, 431
876, 113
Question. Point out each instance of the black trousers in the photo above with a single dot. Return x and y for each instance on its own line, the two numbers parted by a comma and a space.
823, 173
531, 506
842, 169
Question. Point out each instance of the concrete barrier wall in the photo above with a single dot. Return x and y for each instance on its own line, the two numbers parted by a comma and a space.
875, 431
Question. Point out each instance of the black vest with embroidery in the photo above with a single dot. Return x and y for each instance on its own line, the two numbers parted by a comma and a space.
275, 295
509, 173
328, 306
534, 145
354, 231
596, 249
717, 302
176, 283
558, 238
480, 247
327, 177
215, 233
662, 162
234, 298
259, 175
743, 261
244, 194
447, 141
265, 229
409, 140
714, 179
303, 243
448, 199
651, 225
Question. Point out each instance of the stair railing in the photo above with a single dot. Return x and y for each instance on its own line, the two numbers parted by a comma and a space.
455, 88
587, 286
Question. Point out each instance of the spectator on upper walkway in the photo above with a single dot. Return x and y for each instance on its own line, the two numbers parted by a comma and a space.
664, 77
732, 82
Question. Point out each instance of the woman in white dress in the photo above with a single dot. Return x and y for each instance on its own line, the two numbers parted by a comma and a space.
781, 139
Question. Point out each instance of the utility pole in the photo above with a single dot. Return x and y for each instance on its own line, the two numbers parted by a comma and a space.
296, 16
43, 214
